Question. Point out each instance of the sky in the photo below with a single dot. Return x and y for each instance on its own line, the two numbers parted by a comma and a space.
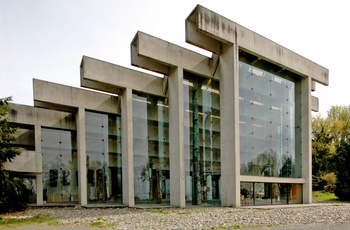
46, 39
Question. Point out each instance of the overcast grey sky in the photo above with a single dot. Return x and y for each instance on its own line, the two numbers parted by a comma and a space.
46, 39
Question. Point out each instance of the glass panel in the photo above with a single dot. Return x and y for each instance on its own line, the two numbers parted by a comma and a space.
267, 123
270, 193
151, 149
30, 182
247, 194
59, 166
104, 163
202, 139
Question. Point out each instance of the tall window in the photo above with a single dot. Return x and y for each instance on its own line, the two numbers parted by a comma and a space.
59, 166
267, 123
202, 139
104, 160
151, 149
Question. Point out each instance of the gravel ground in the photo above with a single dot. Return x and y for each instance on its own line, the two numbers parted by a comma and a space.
321, 216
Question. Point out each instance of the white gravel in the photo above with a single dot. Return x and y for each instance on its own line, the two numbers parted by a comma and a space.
192, 218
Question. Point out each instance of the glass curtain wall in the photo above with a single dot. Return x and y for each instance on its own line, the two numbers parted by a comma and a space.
104, 160
59, 166
151, 149
267, 123
267, 135
202, 139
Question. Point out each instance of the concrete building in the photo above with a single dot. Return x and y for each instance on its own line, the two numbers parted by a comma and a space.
231, 129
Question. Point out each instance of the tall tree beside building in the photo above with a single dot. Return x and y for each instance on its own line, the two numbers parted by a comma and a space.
12, 189
341, 119
331, 148
342, 186
323, 149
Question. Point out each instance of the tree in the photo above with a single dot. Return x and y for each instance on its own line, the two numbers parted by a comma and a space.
323, 149
340, 116
342, 186
12, 189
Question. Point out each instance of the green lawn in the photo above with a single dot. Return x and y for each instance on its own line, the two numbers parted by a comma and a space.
324, 196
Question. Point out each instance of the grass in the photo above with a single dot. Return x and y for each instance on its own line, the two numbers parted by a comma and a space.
184, 212
163, 211
324, 196
37, 219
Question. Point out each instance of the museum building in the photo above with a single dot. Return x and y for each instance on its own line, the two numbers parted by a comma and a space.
229, 129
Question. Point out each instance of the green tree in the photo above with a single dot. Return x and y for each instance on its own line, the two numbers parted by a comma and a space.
323, 149
340, 116
342, 186
12, 189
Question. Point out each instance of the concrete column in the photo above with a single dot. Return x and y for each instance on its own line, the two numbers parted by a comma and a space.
81, 144
229, 125
305, 140
127, 147
39, 178
176, 135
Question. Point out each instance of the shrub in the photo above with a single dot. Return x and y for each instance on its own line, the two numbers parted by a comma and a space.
13, 193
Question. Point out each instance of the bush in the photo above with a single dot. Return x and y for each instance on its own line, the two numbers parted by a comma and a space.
13, 193
330, 179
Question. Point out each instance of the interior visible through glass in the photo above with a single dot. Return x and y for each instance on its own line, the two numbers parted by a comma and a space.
60, 177
151, 149
103, 158
202, 139
255, 193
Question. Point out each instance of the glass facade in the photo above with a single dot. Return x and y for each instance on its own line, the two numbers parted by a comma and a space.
202, 139
267, 123
59, 166
151, 149
270, 193
103, 158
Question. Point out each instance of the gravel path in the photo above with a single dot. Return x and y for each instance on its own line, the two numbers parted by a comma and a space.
324, 216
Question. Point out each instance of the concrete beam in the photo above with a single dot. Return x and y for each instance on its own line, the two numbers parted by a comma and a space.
203, 23
158, 55
107, 77
272, 179
65, 98
24, 114
27, 161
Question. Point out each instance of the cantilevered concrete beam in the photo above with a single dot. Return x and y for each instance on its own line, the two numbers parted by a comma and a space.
207, 29
157, 55
104, 76
60, 97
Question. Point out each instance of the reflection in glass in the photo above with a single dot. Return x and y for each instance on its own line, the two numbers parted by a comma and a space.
267, 123
30, 183
103, 153
253, 193
59, 163
151, 149
202, 139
